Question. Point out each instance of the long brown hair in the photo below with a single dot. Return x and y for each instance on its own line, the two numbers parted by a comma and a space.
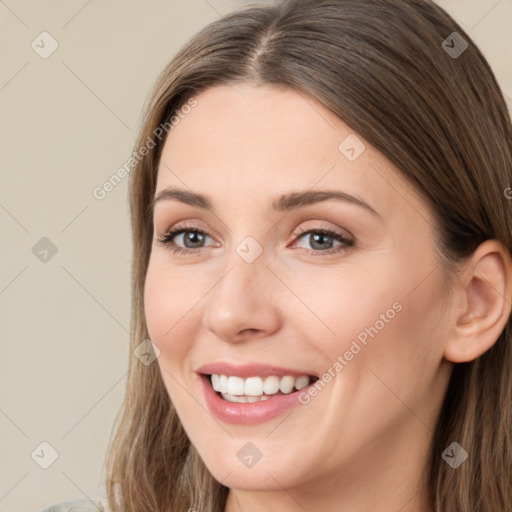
435, 111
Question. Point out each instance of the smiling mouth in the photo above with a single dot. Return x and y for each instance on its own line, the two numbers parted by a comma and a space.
257, 389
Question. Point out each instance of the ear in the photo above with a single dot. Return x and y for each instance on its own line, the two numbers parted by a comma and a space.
483, 304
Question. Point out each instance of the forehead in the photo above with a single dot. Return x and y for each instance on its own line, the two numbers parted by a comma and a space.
236, 121
241, 139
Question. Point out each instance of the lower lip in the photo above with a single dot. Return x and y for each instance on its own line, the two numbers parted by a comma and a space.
247, 413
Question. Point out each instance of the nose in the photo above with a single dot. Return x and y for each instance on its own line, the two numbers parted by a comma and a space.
243, 304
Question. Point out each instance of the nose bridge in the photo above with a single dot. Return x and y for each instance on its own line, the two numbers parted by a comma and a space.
243, 283
246, 269
240, 300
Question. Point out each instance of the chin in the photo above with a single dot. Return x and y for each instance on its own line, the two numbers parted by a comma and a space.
270, 476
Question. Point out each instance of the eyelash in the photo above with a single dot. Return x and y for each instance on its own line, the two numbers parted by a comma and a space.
167, 239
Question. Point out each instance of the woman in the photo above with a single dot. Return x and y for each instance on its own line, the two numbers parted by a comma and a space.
322, 262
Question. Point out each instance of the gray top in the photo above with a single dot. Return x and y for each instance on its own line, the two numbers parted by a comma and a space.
78, 505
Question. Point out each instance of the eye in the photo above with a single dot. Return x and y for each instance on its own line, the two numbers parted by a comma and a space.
319, 239
193, 238
191, 235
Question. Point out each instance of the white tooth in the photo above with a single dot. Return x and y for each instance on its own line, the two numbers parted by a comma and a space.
256, 386
234, 398
301, 382
244, 399
271, 385
223, 383
287, 383
253, 386
235, 386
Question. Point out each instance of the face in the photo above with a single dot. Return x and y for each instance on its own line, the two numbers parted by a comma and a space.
331, 306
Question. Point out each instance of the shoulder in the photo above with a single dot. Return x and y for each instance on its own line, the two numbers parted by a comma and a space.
78, 505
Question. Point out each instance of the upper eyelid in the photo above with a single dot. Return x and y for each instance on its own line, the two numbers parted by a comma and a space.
339, 231
299, 232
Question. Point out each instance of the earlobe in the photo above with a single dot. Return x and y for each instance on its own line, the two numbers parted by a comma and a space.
485, 303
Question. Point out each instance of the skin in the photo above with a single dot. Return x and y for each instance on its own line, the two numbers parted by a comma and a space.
362, 442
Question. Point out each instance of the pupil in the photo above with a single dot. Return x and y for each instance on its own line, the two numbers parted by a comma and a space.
321, 237
194, 234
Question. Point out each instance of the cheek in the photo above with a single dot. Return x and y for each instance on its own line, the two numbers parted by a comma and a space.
171, 319
400, 337
377, 317
349, 304
169, 305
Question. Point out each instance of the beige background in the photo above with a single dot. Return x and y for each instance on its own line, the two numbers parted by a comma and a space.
67, 124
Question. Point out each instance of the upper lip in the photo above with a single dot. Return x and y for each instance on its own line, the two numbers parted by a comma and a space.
250, 370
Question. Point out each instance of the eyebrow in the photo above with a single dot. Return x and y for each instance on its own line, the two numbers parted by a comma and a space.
282, 203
